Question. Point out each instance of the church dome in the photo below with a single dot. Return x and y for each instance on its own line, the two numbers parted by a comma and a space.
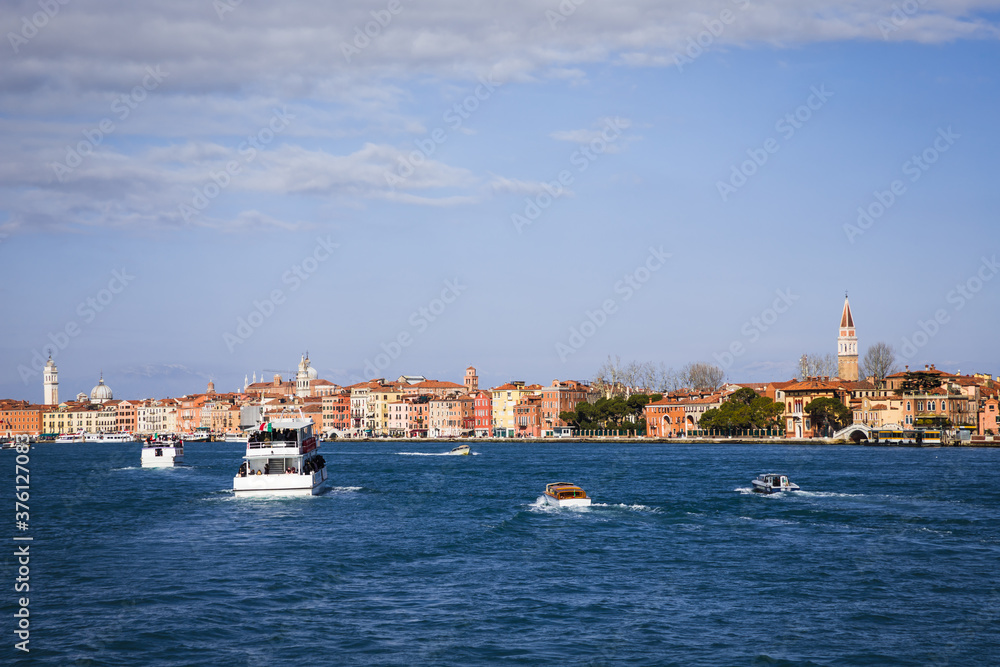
313, 373
101, 392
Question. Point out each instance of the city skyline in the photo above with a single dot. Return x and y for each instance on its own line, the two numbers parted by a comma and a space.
525, 189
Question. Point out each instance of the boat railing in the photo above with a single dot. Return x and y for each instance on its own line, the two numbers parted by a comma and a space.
277, 444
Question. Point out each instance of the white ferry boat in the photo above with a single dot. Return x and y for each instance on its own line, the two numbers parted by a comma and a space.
71, 437
109, 437
235, 437
163, 452
773, 483
564, 494
281, 460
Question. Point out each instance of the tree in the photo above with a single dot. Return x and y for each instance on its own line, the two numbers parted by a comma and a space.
815, 365
828, 414
879, 362
702, 376
915, 381
744, 410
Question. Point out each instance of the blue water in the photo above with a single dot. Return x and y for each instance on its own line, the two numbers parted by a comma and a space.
888, 557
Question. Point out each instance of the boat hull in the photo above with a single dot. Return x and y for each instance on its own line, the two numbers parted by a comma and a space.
281, 484
567, 502
167, 458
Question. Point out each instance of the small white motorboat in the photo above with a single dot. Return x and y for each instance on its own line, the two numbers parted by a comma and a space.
773, 483
564, 494
162, 453
461, 450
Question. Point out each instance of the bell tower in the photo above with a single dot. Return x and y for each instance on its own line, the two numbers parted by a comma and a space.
847, 346
51, 383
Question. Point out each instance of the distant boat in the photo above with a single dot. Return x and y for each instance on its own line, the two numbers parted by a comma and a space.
71, 437
461, 450
773, 483
109, 437
564, 494
162, 453
235, 437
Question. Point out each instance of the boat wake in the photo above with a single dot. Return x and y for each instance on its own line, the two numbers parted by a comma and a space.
632, 508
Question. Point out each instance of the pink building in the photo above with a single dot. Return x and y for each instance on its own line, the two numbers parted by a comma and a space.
483, 414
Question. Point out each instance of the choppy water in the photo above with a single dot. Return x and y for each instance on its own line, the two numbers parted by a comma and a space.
888, 557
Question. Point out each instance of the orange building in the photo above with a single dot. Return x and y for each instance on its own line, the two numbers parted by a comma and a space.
561, 397
20, 417
664, 418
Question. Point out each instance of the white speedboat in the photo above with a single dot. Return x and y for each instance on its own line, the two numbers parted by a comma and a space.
564, 494
281, 460
163, 452
109, 437
71, 437
461, 450
773, 483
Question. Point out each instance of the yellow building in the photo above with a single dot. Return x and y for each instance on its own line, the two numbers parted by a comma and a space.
505, 397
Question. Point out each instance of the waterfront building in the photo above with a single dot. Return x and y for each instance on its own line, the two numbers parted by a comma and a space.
847, 346
418, 413
528, 417
50, 383
72, 417
336, 412
505, 397
377, 410
450, 416
798, 396
397, 421
665, 418
483, 413
560, 396
107, 422
125, 416
20, 418
989, 417
189, 412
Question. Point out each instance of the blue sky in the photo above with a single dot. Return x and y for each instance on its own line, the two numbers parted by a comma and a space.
165, 98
